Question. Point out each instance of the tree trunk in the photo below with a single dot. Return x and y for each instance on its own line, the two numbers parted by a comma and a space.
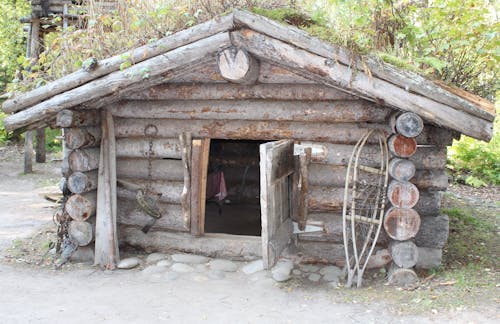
78, 118
407, 124
401, 277
82, 160
28, 152
402, 194
401, 169
41, 154
404, 254
402, 146
80, 232
83, 137
80, 182
401, 223
81, 207
236, 65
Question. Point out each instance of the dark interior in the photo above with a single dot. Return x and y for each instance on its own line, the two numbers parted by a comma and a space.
239, 212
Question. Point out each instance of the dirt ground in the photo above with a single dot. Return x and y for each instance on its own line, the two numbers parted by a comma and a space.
83, 294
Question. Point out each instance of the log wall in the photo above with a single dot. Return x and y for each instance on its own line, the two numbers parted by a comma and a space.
331, 126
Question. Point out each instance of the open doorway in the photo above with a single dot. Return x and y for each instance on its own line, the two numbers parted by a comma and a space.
233, 188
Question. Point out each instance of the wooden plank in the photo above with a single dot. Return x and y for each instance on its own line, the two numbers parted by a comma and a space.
112, 64
378, 90
264, 110
199, 163
407, 80
232, 91
106, 240
275, 167
304, 160
171, 61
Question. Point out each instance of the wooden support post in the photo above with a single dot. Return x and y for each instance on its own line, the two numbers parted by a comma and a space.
28, 152
41, 154
185, 143
199, 164
106, 241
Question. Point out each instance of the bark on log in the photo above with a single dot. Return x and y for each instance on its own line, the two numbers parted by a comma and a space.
429, 158
232, 91
167, 170
402, 146
167, 191
325, 199
163, 148
252, 130
185, 141
401, 277
338, 75
404, 254
406, 80
78, 118
433, 232
82, 160
80, 232
402, 194
112, 64
407, 124
264, 110
81, 207
401, 224
130, 213
429, 203
80, 182
236, 65
178, 58
436, 179
76, 138
401, 169
429, 258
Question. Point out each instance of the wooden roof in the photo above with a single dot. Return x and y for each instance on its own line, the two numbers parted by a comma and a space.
285, 46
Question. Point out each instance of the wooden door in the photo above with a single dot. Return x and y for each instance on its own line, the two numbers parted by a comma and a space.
276, 188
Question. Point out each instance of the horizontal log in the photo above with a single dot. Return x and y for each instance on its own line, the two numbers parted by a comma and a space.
213, 245
163, 148
264, 110
401, 223
82, 160
236, 65
251, 130
160, 169
75, 138
434, 179
433, 232
322, 252
404, 254
325, 199
81, 207
438, 136
401, 146
78, 118
429, 158
80, 182
402, 194
407, 124
273, 74
339, 154
80, 232
429, 203
401, 277
129, 213
159, 66
166, 191
429, 258
407, 80
231, 91
401, 169
112, 64
204, 73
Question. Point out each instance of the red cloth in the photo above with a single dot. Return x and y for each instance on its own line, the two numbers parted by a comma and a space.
216, 186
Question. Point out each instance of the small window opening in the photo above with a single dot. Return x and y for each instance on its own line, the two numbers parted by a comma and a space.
233, 188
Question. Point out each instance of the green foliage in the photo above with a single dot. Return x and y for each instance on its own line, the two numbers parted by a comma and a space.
12, 39
477, 160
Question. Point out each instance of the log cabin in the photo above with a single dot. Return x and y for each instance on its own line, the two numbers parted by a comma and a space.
220, 137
